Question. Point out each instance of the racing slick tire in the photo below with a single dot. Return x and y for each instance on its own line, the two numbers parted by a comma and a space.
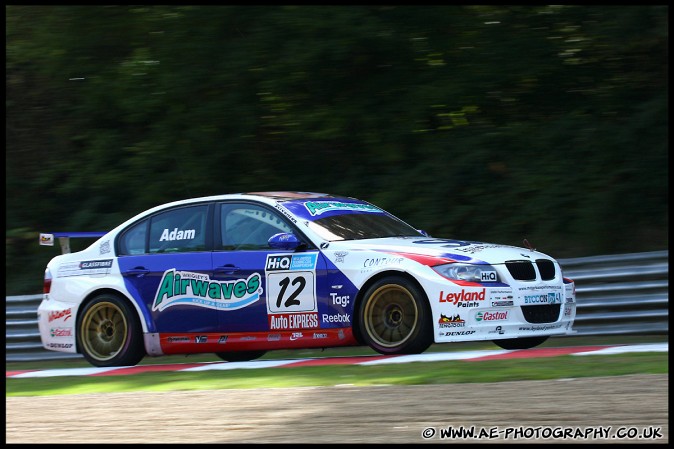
240, 356
395, 318
109, 332
520, 343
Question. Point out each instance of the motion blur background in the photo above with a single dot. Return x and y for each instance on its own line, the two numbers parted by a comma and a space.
492, 123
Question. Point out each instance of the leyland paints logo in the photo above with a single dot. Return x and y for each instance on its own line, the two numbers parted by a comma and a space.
197, 289
319, 207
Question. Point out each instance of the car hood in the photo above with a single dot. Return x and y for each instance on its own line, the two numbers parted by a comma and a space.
455, 250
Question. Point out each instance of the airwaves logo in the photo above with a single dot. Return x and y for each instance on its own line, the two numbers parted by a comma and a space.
197, 289
319, 207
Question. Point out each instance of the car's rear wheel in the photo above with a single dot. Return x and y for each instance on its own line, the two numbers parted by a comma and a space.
109, 332
240, 356
395, 318
520, 343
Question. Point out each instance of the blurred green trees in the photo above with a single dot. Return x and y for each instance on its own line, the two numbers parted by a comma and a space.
490, 123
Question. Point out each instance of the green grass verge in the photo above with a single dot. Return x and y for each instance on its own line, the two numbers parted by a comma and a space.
390, 374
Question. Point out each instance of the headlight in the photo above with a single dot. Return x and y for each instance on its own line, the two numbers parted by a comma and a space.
470, 273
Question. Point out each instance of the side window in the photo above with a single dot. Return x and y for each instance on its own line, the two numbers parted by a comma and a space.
248, 227
132, 241
179, 230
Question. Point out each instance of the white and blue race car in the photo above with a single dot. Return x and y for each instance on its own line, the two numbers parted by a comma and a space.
241, 274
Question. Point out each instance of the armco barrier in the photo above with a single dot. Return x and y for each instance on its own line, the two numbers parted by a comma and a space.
617, 294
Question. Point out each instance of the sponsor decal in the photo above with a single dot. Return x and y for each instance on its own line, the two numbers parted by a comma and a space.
290, 262
463, 298
296, 335
84, 268
570, 292
47, 239
340, 255
285, 212
291, 282
549, 298
541, 328
497, 330
187, 234
488, 276
57, 314
222, 340
340, 334
93, 264
288, 321
540, 287
60, 345
201, 339
568, 310
491, 316
197, 289
502, 303
382, 261
501, 298
105, 247
248, 338
61, 332
274, 337
339, 318
455, 333
178, 339
319, 207
340, 300
321, 335
472, 249
455, 321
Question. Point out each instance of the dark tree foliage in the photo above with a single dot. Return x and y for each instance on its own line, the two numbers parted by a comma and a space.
492, 123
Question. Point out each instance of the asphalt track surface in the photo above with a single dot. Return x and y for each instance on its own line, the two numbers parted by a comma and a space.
566, 411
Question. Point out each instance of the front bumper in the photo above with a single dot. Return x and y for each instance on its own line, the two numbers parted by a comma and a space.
479, 312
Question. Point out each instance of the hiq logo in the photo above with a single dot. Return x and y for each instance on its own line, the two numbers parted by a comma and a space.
278, 262
488, 276
291, 262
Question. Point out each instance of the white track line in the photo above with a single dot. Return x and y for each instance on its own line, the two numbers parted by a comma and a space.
647, 347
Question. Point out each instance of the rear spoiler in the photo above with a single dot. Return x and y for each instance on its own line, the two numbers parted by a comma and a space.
64, 238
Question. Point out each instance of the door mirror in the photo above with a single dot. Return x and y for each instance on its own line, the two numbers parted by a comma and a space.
284, 240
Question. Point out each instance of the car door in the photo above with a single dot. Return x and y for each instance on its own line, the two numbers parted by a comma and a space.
286, 295
166, 264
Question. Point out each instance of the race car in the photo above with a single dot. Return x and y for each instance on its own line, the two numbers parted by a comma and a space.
242, 274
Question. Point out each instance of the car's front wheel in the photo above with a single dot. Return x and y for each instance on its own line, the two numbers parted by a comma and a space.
109, 332
394, 317
240, 356
520, 343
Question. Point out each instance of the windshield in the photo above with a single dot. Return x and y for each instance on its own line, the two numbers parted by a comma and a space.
361, 226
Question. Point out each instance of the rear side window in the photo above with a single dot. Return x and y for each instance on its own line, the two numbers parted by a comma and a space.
179, 230
132, 241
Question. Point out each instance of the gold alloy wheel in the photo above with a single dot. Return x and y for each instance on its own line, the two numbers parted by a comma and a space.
391, 315
104, 331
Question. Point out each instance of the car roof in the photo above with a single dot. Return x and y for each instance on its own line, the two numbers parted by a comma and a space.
269, 197
292, 195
